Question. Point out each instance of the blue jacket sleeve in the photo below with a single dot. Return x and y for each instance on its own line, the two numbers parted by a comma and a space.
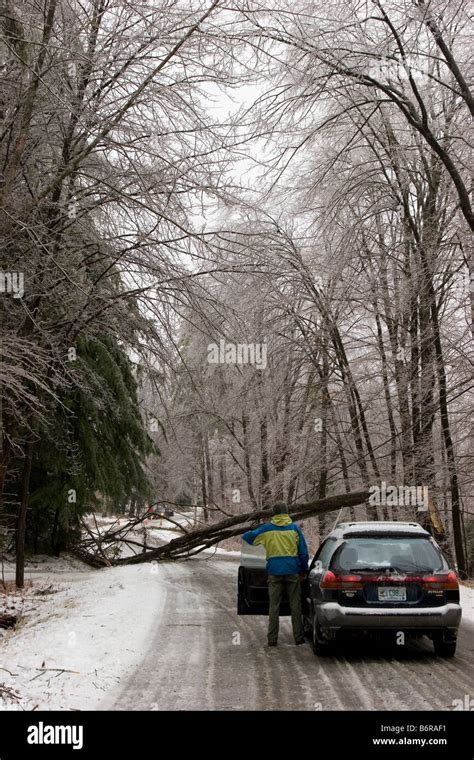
250, 536
303, 554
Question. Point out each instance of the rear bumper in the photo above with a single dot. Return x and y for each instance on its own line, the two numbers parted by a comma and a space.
332, 616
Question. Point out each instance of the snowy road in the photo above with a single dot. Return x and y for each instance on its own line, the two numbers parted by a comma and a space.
203, 656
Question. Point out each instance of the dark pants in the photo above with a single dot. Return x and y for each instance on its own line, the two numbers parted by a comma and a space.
276, 585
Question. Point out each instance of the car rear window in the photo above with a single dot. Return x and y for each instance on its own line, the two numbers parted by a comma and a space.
404, 554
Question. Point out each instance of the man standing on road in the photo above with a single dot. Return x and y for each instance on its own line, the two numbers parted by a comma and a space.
287, 563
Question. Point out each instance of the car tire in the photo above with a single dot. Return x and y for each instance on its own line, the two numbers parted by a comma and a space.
320, 647
444, 647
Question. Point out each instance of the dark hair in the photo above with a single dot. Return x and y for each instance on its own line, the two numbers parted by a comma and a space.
279, 508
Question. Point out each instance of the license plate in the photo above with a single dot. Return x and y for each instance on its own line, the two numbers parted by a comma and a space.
392, 594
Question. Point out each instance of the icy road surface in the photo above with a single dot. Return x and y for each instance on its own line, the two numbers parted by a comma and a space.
202, 655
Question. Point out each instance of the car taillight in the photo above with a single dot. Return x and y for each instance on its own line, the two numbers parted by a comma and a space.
333, 581
328, 580
443, 582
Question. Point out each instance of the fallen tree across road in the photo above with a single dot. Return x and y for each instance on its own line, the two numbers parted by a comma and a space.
196, 541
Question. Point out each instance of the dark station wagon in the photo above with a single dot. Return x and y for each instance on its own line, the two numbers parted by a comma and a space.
367, 579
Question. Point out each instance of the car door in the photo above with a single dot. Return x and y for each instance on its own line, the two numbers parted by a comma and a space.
312, 588
252, 584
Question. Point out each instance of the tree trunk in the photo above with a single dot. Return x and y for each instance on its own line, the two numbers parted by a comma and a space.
265, 494
204, 493
21, 522
342, 457
247, 465
458, 528
401, 380
388, 402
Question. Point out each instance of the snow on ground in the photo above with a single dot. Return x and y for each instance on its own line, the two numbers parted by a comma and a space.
80, 631
75, 642
467, 602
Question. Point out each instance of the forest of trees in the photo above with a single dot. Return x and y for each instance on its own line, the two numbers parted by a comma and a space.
236, 260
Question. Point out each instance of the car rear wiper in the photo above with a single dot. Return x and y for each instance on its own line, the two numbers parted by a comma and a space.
371, 569
392, 568
415, 569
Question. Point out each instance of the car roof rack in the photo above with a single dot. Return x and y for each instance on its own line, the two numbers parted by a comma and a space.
358, 523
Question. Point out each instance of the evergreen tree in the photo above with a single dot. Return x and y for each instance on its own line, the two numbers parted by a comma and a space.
93, 449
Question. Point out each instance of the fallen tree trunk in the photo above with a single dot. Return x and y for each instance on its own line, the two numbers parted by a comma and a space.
196, 541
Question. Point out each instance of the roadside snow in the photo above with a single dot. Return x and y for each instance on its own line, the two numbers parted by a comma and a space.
80, 631
74, 644
467, 602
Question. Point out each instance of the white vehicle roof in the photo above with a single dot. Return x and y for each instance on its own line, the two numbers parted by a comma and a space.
379, 526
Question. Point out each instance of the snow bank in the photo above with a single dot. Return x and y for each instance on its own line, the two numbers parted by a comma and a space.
467, 602
76, 642
80, 631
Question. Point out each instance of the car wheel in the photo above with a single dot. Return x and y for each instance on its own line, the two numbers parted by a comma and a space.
444, 647
320, 646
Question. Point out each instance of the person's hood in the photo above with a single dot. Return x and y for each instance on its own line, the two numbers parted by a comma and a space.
281, 520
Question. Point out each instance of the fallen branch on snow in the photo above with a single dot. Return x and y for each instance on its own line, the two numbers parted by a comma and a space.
9, 693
